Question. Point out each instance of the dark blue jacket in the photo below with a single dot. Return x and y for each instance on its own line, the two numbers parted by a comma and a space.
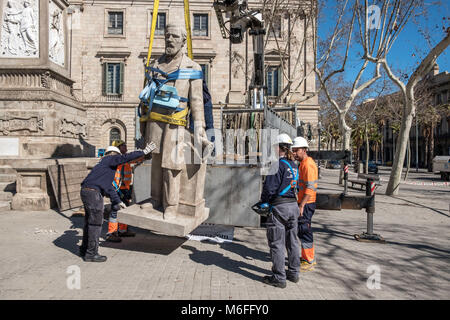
208, 110
102, 175
274, 184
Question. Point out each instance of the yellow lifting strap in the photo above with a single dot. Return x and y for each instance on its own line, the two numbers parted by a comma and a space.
178, 118
152, 31
187, 20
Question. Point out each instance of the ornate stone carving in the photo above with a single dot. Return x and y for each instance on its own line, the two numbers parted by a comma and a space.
45, 80
56, 34
30, 124
20, 29
73, 128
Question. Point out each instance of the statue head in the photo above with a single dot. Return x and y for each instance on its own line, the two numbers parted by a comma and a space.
26, 4
175, 37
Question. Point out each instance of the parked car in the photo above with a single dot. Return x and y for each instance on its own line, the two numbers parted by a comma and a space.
333, 164
441, 164
373, 166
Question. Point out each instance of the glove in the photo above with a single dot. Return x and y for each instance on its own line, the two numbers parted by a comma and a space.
149, 147
122, 206
264, 205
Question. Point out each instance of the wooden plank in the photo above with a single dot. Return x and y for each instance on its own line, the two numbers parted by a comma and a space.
66, 183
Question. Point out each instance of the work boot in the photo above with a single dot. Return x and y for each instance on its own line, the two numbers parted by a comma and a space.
292, 278
170, 212
113, 237
96, 258
307, 266
274, 282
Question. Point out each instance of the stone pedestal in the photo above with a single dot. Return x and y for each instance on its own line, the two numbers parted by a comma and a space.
39, 115
191, 208
152, 219
31, 188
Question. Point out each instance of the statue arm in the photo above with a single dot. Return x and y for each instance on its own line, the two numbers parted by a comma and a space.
196, 102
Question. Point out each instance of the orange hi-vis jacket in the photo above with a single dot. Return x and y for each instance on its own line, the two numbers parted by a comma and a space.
308, 178
124, 174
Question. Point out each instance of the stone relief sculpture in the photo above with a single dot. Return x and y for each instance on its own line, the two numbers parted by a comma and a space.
56, 35
20, 26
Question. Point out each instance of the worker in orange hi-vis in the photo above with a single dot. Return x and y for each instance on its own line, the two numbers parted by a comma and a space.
306, 198
123, 184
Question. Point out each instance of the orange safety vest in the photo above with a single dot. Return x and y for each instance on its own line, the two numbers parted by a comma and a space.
308, 178
124, 174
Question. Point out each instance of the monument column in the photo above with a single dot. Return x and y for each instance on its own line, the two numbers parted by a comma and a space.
39, 115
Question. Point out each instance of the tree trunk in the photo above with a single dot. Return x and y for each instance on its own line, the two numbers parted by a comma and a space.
399, 158
346, 133
431, 151
427, 149
408, 160
366, 138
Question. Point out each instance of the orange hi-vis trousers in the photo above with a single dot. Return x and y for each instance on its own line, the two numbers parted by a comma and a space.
305, 233
113, 225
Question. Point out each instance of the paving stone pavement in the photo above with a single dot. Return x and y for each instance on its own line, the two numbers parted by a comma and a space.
39, 254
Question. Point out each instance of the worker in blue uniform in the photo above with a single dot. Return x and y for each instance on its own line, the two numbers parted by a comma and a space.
279, 197
94, 187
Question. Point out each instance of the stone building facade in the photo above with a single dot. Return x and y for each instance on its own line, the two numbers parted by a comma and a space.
109, 41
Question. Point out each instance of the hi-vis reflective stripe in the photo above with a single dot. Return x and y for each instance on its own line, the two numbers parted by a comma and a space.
308, 184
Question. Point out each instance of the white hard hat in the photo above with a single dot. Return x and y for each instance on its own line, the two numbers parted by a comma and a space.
300, 142
112, 149
283, 138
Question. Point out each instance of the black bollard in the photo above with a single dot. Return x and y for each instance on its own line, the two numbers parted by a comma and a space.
369, 236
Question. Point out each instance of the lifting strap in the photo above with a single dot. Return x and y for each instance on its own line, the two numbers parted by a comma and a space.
156, 86
187, 20
164, 96
293, 183
152, 31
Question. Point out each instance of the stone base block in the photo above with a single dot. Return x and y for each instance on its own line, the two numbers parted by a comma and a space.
151, 219
30, 202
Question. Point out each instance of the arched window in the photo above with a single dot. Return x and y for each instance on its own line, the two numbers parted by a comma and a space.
114, 134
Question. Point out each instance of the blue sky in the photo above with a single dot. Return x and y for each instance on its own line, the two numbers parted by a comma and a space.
410, 47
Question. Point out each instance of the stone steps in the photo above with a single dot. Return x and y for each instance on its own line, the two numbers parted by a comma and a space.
7, 170
5, 205
8, 178
6, 196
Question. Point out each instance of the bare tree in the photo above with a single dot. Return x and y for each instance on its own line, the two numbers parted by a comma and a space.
409, 109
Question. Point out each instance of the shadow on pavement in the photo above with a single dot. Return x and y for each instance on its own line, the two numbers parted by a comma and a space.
70, 238
208, 257
423, 206
246, 252
147, 242
420, 264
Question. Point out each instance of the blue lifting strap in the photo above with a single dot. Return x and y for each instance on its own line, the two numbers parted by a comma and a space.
293, 182
117, 188
155, 85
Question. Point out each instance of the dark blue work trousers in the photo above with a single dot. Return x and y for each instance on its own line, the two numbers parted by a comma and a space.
93, 219
282, 235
